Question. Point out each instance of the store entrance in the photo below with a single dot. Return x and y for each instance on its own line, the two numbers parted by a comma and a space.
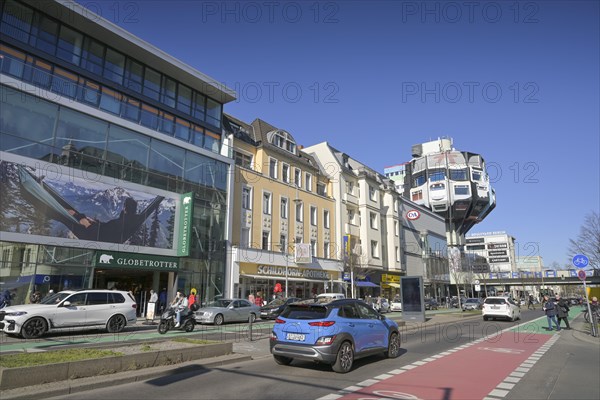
138, 282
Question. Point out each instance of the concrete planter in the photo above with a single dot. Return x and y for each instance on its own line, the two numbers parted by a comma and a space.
12, 378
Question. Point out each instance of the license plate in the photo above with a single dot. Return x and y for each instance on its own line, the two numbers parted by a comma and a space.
295, 336
495, 307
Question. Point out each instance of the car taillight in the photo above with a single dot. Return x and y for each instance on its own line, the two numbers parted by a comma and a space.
279, 321
321, 323
325, 340
273, 336
134, 305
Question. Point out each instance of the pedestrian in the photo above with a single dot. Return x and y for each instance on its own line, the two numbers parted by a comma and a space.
562, 311
258, 300
180, 304
5, 299
251, 298
192, 299
550, 310
530, 304
162, 300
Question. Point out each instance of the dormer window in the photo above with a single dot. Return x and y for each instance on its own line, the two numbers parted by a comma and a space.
283, 140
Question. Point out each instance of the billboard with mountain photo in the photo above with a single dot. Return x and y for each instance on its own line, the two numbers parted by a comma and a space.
52, 204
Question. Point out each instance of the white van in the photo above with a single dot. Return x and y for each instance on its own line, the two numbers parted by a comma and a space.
327, 297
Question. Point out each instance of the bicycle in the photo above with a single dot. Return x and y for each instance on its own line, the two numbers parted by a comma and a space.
596, 314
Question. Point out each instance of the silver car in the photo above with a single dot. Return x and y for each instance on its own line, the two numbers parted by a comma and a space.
227, 310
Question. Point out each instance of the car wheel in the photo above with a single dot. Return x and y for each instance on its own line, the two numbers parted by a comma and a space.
116, 324
34, 328
345, 358
219, 319
252, 318
189, 325
163, 327
281, 360
393, 346
485, 318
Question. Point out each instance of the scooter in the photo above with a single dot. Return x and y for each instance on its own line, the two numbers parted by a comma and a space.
168, 321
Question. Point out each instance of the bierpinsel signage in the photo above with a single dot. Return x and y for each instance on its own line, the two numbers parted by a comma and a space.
293, 272
111, 259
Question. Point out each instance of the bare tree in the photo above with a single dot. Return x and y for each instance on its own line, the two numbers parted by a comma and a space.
588, 240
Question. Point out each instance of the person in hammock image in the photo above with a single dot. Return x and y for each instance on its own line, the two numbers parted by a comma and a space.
118, 230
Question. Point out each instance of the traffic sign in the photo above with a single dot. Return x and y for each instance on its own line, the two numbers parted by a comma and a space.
581, 274
580, 261
476, 281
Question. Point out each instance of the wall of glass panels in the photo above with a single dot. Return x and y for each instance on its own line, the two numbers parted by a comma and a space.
26, 25
71, 86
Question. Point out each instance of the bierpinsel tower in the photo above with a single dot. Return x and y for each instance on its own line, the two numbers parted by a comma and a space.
455, 185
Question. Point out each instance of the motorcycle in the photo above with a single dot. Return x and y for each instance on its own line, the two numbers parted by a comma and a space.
168, 321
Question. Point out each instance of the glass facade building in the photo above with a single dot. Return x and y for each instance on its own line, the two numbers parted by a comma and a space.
101, 113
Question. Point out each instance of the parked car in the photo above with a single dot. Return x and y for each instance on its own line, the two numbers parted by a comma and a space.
275, 307
227, 310
334, 333
396, 304
500, 307
431, 304
70, 310
330, 296
472, 304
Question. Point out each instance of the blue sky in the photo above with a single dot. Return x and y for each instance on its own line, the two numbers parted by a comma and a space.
517, 83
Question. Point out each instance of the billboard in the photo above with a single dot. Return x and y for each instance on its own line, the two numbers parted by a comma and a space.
56, 205
302, 253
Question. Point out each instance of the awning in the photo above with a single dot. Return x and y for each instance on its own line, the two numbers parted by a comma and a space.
365, 284
392, 284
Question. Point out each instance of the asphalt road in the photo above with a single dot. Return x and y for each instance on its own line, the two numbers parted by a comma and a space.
457, 361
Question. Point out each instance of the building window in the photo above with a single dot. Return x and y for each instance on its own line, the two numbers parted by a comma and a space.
273, 168
267, 203
372, 193
247, 198
437, 175
397, 254
243, 160
313, 248
284, 141
266, 242
326, 219
458, 174
298, 177
313, 216
285, 173
374, 249
284, 208
326, 250
298, 239
396, 207
351, 216
299, 211
321, 189
373, 220
461, 189
245, 238
283, 247
396, 228
308, 185
476, 175
418, 195
350, 187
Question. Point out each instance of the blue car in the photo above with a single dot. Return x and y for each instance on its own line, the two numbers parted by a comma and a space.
335, 333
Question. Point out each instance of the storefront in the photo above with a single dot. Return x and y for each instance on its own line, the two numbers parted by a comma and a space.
390, 285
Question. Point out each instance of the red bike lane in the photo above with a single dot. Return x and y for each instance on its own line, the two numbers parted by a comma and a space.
474, 371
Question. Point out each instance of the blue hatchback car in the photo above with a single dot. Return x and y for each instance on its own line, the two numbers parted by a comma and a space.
336, 333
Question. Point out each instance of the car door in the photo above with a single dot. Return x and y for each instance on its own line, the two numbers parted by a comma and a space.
373, 328
242, 310
98, 308
353, 325
73, 314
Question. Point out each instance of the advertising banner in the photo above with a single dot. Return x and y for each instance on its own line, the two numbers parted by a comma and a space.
302, 253
112, 259
57, 205
185, 224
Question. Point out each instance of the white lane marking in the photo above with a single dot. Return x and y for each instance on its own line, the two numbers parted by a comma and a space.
383, 376
511, 379
351, 389
368, 382
498, 393
331, 396
507, 386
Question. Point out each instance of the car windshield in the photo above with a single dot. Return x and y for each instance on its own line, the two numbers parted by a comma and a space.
276, 302
55, 298
305, 311
221, 303
495, 301
472, 301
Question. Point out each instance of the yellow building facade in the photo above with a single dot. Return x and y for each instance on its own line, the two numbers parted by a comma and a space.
283, 232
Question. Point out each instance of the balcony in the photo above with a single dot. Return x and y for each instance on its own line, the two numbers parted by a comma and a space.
350, 198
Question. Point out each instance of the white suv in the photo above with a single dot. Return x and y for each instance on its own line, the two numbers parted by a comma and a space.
71, 310
500, 307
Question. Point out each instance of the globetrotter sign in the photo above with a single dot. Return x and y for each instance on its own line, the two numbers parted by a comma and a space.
293, 272
111, 259
185, 224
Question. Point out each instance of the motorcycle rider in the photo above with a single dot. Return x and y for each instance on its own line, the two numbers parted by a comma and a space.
180, 304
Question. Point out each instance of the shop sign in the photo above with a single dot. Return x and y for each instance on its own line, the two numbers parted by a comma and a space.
111, 259
185, 224
292, 272
497, 253
390, 278
498, 260
497, 246
413, 215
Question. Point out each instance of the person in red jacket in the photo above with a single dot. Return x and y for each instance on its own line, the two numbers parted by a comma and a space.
192, 299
